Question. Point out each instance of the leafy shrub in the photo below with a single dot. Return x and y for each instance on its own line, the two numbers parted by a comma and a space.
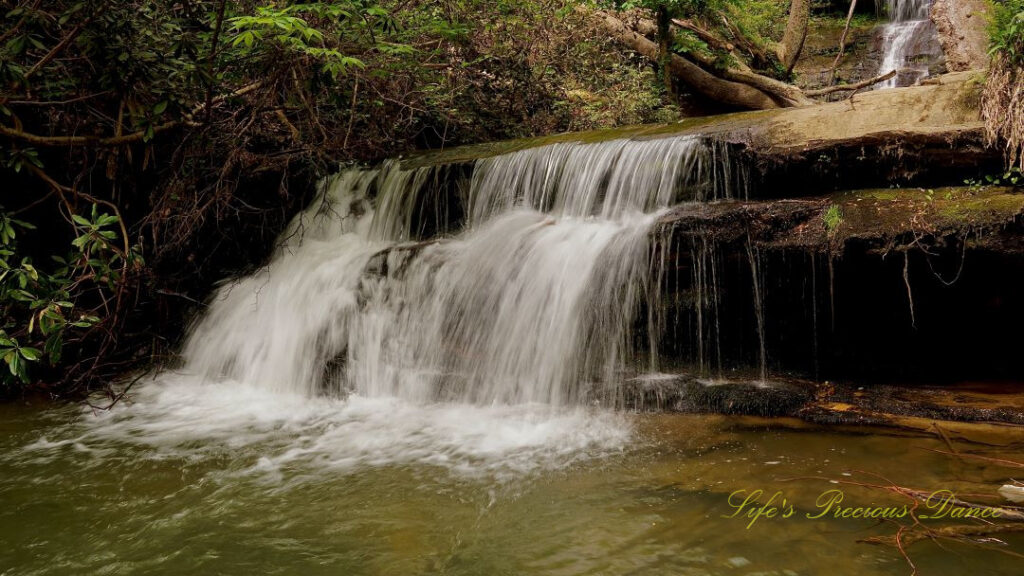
1007, 31
41, 307
1003, 98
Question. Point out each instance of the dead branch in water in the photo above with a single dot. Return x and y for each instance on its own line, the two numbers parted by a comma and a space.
916, 531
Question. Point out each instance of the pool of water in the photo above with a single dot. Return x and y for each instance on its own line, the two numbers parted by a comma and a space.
229, 480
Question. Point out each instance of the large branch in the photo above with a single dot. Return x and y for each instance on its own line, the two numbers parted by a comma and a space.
857, 86
708, 38
110, 141
755, 51
82, 140
707, 84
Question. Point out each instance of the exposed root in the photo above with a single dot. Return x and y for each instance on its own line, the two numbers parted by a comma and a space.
1002, 108
906, 280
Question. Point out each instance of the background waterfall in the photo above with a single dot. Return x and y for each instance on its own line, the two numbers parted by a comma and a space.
909, 42
532, 298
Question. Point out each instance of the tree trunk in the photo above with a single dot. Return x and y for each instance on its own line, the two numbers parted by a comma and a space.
796, 31
665, 50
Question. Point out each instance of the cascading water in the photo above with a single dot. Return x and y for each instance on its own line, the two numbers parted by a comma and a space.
909, 42
534, 301
467, 317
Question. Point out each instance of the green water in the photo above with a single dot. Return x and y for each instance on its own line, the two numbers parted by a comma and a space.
74, 502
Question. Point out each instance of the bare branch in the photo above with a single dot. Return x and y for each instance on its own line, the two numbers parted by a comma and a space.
857, 86
842, 42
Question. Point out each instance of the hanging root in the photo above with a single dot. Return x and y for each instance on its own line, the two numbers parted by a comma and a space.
1002, 108
906, 280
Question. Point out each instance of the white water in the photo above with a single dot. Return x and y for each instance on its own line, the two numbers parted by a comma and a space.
908, 41
359, 345
531, 302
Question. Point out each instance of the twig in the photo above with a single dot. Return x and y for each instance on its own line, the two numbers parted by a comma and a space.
945, 438
951, 532
842, 42
13, 29
123, 392
126, 138
351, 113
213, 54
1001, 461
64, 42
56, 102
83, 140
858, 86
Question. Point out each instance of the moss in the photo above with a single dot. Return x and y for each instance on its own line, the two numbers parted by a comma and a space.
997, 206
888, 212
693, 126
968, 98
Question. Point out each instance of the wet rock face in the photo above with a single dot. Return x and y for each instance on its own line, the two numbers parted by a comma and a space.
896, 286
828, 403
918, 54
909, 44
960, 25
861, 56
903, 276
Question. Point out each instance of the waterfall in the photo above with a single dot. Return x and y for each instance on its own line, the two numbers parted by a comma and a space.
909, 42
525, 287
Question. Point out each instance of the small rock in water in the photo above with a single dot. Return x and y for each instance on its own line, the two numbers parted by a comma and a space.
738, 562
1013, 493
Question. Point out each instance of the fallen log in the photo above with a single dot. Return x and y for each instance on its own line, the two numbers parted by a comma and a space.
707, 84
902, 134
781, 92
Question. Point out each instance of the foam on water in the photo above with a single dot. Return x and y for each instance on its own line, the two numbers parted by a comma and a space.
484, 350
179, 417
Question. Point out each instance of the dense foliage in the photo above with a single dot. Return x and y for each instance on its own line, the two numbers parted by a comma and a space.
148, 148
1007, 31
1003, 100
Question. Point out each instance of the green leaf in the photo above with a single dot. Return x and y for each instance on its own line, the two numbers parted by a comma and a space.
32, 354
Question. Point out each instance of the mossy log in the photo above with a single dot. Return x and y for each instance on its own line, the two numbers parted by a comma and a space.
878, 219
